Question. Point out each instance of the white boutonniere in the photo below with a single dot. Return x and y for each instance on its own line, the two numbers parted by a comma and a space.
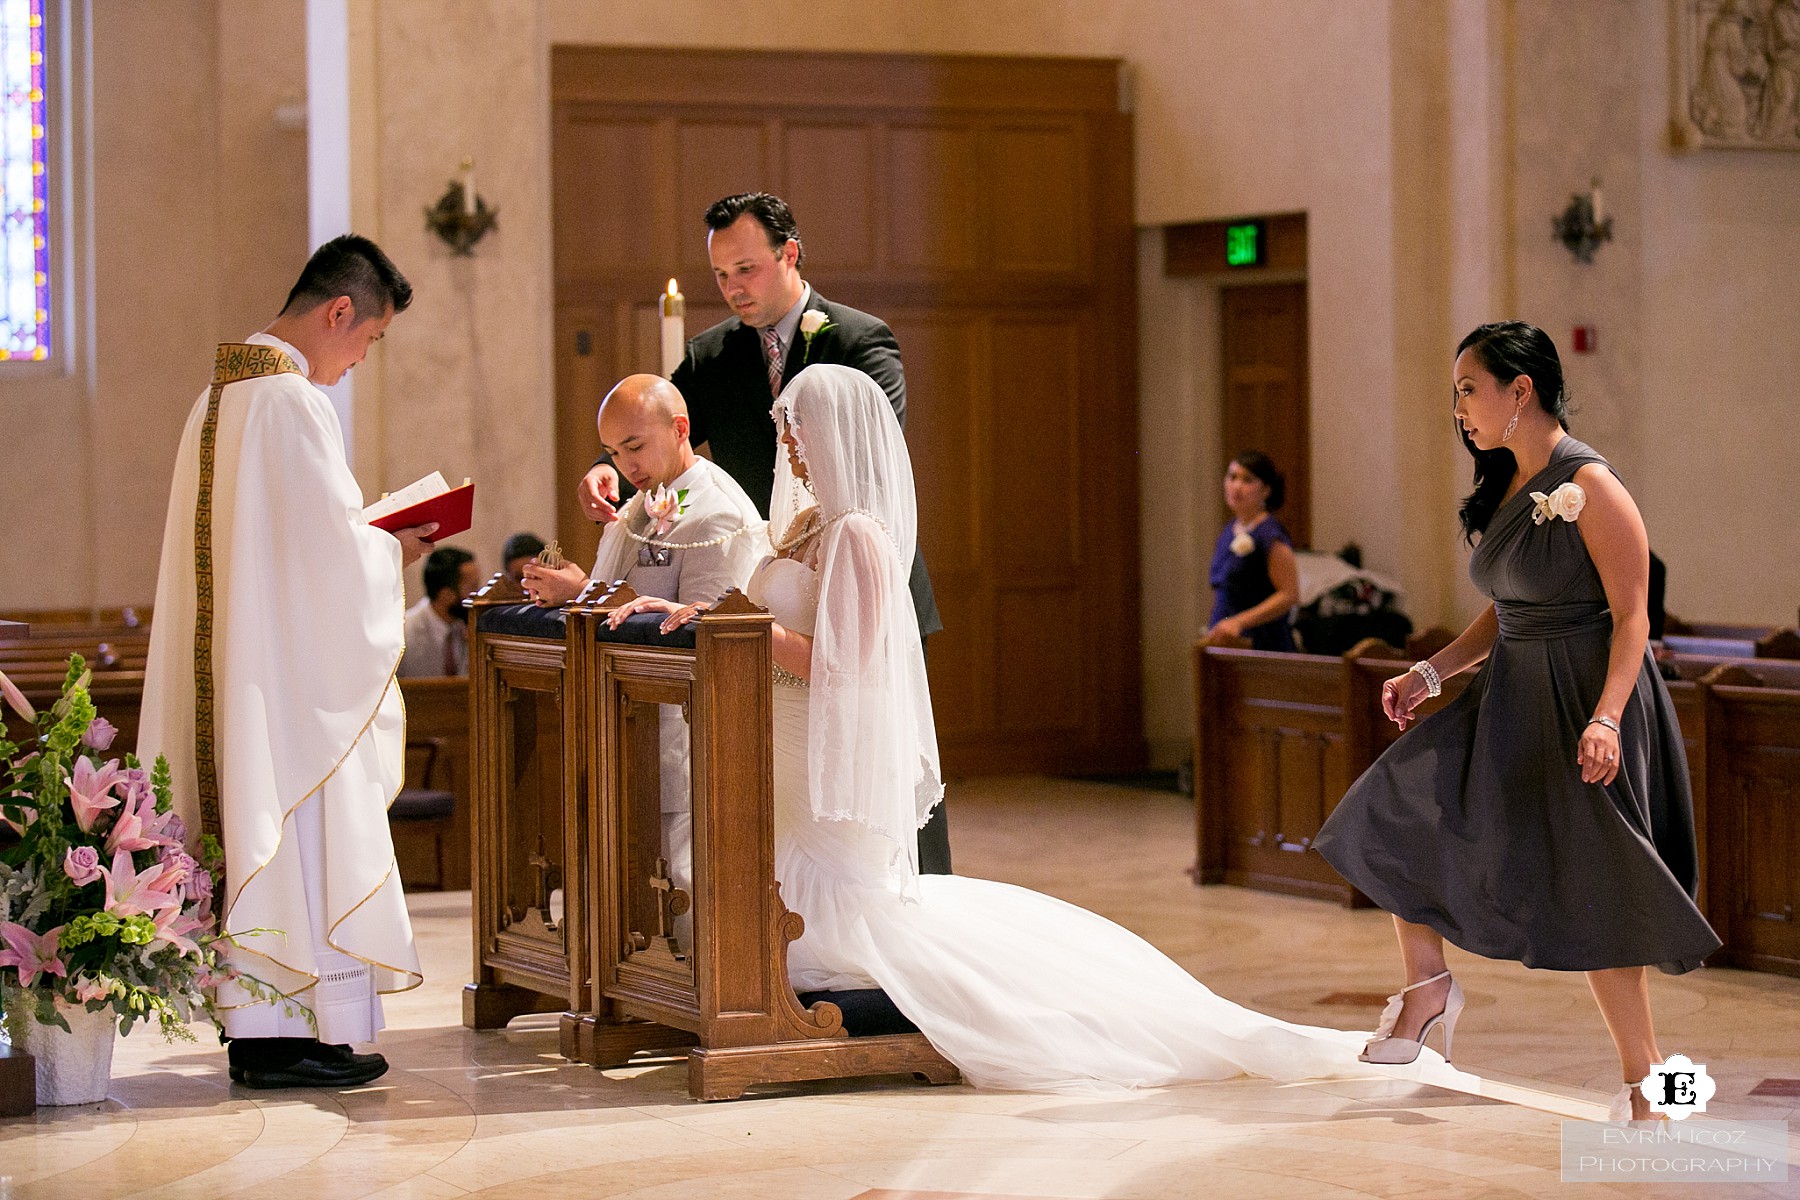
664, 508
1242, 544
1566, 502
812, 324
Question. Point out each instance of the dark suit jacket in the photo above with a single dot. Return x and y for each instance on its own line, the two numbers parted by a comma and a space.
727, 392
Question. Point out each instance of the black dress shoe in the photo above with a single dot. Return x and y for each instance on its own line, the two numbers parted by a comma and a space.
340, 1055
314, 1074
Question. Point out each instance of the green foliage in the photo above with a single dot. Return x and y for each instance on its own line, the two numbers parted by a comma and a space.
112, 962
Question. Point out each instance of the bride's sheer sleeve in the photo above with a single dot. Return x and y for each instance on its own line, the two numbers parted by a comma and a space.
872, 756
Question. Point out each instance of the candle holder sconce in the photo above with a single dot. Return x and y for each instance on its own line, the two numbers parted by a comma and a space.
1580, 228
460, 219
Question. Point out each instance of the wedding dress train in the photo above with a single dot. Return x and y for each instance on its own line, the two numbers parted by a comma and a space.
1020, 990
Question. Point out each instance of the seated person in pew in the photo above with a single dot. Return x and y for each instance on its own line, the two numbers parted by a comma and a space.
519, 549
1254, 577
437, 637
689, 535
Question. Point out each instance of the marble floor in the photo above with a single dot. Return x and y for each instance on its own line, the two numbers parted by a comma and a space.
501, 1115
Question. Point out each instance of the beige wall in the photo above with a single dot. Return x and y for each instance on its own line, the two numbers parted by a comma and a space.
198, 228
1429, 141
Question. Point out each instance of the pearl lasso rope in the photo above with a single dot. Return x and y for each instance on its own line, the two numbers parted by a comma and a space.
659, 545
814, 526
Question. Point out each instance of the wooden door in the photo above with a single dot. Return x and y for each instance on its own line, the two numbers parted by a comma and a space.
1263, 337
982, 207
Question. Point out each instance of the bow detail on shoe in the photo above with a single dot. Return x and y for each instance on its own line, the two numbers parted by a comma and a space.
1384, 1047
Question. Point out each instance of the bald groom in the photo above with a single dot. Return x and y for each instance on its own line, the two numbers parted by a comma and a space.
695, 547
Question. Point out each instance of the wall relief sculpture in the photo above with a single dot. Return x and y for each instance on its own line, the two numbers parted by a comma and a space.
1737, 74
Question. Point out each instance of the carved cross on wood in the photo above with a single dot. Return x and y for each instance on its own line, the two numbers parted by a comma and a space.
545, 868
671, 901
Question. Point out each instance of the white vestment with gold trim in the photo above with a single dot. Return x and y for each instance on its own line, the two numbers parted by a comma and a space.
309, 728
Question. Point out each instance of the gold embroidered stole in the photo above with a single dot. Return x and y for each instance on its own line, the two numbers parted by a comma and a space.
235, 361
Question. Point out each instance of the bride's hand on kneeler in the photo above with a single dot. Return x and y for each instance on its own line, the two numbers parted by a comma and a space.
642, 604
681, 616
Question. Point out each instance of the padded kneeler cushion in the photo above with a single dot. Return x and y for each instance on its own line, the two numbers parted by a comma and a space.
867, 1011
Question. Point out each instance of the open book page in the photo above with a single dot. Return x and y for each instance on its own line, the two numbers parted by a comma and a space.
413, 493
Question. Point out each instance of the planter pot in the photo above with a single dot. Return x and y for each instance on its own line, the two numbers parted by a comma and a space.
73, 1067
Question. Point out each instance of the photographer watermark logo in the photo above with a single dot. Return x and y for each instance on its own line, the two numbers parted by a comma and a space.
1678, 1087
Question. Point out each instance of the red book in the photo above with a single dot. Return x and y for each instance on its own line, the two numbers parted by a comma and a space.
430, 499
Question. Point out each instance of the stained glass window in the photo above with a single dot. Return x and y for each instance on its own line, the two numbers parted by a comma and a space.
24, 181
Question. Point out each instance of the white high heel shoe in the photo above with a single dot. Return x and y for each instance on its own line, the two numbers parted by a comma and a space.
1621, 1106
1389, 1050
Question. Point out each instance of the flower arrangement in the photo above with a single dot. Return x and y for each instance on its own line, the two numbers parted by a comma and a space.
101, 906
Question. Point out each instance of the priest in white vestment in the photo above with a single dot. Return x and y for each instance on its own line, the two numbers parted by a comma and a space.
690, 535
270, 684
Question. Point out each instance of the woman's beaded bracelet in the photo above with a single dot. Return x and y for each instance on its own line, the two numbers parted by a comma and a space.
1606, 721
1434, 684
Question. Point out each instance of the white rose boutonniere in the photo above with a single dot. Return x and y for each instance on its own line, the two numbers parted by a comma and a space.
812, 324
1242, 544
1566, 502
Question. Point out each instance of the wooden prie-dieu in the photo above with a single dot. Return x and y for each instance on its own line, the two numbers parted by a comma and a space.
635, 962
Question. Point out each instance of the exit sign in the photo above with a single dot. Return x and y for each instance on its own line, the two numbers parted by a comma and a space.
1244, 244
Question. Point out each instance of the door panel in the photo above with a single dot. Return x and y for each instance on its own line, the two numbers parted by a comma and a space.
981, 206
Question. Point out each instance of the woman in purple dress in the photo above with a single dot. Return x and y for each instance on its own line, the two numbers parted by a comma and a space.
1545, 814
1256, 582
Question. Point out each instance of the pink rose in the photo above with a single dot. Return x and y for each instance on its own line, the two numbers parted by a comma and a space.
82, 864
100, 734
200, 886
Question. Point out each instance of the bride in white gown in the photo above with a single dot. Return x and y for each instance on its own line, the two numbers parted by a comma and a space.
1020, 990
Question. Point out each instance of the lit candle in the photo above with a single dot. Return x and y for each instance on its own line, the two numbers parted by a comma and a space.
468, 182
674, 329
1594, 199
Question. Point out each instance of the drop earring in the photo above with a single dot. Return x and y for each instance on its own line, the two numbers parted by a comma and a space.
1513, 424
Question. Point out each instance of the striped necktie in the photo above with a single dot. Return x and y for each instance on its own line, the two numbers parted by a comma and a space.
772, 354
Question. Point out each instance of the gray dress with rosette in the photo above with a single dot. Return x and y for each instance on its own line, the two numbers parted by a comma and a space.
1477, 822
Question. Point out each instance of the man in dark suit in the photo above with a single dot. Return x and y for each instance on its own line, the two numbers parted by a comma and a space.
733, 371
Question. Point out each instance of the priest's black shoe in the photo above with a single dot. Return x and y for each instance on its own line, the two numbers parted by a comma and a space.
310, 1072
335, 1055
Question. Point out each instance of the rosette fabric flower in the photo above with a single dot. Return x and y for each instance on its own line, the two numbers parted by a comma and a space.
1565, 502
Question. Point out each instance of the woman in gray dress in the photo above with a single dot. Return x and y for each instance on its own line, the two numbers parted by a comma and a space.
1545, 814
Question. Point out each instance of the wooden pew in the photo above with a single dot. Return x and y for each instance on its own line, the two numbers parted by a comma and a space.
39, 661
437, 709
1278, 739
1752, 843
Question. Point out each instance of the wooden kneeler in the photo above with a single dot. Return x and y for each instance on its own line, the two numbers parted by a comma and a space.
527, 843
725, 998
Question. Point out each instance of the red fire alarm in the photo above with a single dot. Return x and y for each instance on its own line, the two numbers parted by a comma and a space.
1584, 339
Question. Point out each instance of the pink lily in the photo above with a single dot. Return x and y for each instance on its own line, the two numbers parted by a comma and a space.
89, 791
128, 832
31, 953
13, 696
172, 927
165, 829
30, 815
131, 894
